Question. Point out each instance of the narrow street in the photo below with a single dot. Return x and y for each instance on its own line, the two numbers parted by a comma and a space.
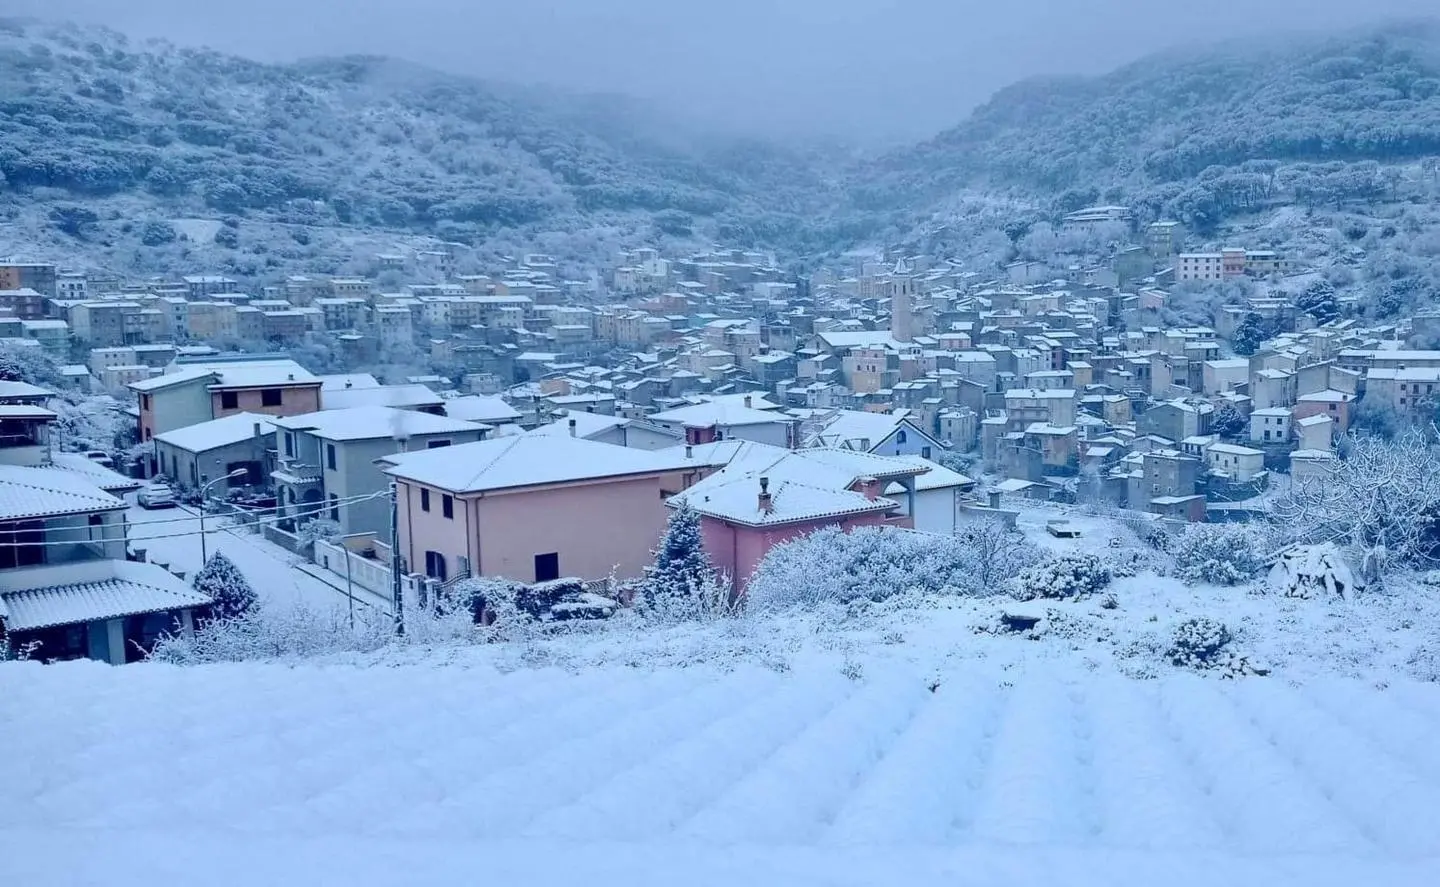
172, 536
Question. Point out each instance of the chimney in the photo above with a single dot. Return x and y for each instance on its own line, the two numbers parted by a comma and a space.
766, 502
995, 499
572, 427
349, 383
290, 376
871, 488
748, 402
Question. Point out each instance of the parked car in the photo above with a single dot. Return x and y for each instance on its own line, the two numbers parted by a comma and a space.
155, 496
101, 457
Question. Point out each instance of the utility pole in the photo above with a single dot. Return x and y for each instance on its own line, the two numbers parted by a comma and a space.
397, 590
349, 585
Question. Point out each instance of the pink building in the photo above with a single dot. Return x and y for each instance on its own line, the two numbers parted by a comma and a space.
1332, 403
765, 496
535, 507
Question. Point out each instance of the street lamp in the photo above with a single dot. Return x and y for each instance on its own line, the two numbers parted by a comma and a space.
204, 488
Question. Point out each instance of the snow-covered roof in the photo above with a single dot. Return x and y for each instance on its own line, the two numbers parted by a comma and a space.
24, 411
89, 591
738, 499
1329, 395
22, 391
849, 427
29, 492
1234, 450
368, 423
480, 408
586, 424
261, 373
817, 481
1312, 421
936, 477
343, 381
409, 395
528, 460
726, 414
217, 433
106, 479
170, 379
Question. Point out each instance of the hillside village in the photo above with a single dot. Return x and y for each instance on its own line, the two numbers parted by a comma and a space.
545, 429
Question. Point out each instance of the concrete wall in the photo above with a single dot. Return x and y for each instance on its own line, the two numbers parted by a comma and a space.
179, 406
935, 510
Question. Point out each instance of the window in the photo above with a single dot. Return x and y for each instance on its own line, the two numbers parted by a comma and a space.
289, 445
335, 508
435, 565
1332, 407
547, 567
900, 436
447, 506
270, 397
330, 456
229, 400
144, 401
424, 500
925, 452
436, 444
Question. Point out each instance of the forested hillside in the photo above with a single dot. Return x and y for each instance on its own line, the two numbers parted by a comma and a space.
147, 156
86, 116
1199, 134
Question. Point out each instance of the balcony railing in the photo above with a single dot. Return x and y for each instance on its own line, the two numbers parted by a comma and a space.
290, 471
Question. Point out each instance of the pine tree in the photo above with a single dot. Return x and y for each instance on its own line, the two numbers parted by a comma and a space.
226, 586
682, 568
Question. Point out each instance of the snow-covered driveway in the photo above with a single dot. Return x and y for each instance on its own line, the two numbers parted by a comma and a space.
702, 775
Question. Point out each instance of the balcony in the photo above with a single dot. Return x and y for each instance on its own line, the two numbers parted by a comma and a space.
296, 473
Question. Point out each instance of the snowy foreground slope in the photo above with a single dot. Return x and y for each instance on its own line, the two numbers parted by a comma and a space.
431, 772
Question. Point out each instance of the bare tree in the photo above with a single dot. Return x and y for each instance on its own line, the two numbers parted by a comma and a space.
1382, 501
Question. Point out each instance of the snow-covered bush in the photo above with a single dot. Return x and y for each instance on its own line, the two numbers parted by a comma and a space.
1204, 644
1313, 571
870, 563
1066, 577
317, 529
1220, 554
223, 582
297, 632
1198, 642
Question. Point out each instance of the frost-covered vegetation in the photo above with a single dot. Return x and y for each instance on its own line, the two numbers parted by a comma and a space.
148, 155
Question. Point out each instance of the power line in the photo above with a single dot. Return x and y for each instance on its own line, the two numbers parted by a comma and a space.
102, 538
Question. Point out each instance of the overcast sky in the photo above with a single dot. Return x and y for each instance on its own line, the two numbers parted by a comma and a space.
862, 69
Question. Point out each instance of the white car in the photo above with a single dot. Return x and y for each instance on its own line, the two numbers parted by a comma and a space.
155, 496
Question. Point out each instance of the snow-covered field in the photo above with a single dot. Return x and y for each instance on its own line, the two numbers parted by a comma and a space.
422, 773
911, 741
